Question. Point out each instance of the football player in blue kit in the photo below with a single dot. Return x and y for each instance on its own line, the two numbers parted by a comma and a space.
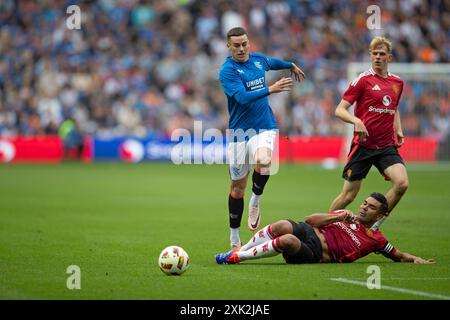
252, 125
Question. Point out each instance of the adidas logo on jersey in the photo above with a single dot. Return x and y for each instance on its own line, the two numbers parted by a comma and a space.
376, 87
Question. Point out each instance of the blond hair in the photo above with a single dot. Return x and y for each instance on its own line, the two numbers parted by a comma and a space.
379, 41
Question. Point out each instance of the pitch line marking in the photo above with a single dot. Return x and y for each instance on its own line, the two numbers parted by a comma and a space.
410, 278
414, 292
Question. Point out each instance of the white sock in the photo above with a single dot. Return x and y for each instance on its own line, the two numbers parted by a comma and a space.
267, 249
234, 235
254, 200
377, 224
263, 235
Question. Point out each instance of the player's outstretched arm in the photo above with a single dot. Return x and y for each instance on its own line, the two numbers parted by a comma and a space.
284, 84
298, 73
321, 219
399, 256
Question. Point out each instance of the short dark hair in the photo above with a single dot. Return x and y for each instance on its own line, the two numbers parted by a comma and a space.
236, 32
381, 199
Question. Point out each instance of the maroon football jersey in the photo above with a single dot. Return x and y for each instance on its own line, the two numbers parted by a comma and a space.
349, 242
376, 100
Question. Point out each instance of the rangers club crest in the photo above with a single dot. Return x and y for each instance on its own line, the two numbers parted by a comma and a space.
258, 65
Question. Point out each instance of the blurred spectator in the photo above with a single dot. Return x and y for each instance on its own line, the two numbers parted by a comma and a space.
148, 67
73, 144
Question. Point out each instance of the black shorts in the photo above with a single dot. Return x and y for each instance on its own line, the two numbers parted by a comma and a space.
361, 159
311, 248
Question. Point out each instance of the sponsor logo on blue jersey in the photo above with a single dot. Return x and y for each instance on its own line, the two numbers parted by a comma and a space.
255, 84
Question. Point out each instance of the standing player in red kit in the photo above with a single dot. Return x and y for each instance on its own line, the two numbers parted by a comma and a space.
377, 129
334, 237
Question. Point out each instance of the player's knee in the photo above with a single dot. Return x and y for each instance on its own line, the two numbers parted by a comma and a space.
289, 243
281, 227
263, 162
238, 189
237, 193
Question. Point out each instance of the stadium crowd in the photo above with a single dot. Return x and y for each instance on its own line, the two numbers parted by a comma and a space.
148, 67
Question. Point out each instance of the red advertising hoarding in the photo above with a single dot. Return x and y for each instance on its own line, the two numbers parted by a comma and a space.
31, 149
419, 149
310, 149
38, 149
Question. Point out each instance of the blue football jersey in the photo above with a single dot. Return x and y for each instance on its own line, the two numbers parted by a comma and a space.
244, 84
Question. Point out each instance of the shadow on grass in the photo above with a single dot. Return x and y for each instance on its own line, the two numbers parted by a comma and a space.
314, 264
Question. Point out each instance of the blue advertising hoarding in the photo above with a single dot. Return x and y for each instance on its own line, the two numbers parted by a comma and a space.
130, 149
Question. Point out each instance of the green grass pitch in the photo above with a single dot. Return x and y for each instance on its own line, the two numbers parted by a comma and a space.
112, 220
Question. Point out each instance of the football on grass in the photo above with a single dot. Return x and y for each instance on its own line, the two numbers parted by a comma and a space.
173, 260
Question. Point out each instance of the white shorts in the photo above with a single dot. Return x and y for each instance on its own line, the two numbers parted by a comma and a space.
241, 155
